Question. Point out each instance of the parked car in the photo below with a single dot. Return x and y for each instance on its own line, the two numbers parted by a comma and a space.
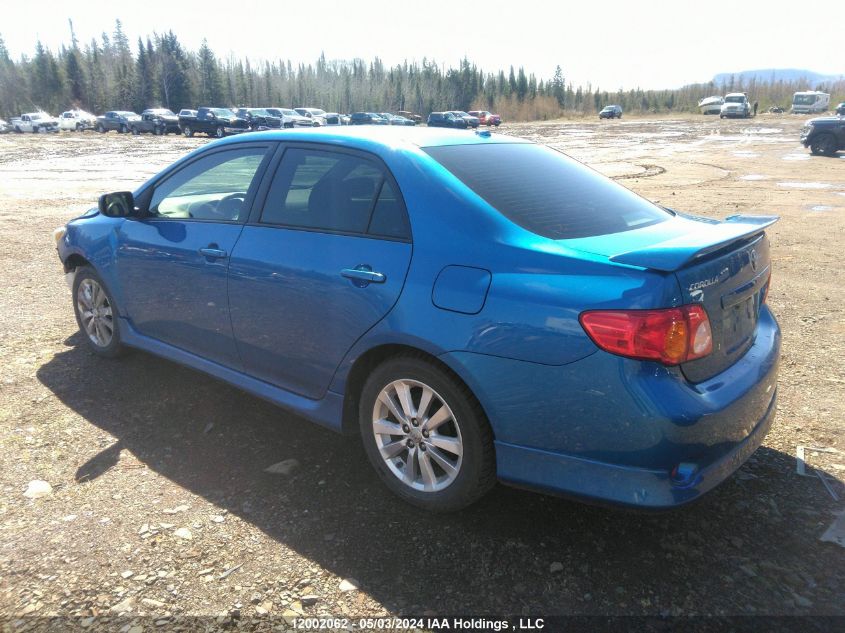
35, 122
472, 121
118, 120
824, 135
611, 112
416, 118
148, 124
290, 118
366, 118
259, 118
552, 330
217, 122
446, 119
167, 120
5, 127
395, 119
317, 115
487, 118
334, 118
736, 105
840, 109
77, 120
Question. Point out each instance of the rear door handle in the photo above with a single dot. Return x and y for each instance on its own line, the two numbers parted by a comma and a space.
213, 253
363, 275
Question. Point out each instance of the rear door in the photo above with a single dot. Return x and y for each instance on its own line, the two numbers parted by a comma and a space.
323, 261
172, 264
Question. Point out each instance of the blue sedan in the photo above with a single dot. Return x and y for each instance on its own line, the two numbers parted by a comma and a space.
477, 307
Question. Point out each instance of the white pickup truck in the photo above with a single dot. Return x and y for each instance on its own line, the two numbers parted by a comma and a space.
35, 122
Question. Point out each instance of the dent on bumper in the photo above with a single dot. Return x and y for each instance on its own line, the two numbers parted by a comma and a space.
637, 487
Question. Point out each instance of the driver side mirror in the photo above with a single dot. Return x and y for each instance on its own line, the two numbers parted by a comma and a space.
119, 204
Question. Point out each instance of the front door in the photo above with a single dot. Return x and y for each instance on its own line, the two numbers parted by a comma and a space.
172, 264
324, 262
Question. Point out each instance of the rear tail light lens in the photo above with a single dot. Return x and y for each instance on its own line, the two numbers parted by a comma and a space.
671, 336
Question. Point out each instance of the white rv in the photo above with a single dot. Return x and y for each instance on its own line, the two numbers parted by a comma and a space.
810, 102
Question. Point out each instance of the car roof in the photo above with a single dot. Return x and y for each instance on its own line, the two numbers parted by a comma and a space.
375, 138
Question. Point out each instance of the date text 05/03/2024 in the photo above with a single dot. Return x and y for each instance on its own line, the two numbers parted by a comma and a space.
429, 623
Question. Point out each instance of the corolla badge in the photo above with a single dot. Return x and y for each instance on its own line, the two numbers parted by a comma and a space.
696, 288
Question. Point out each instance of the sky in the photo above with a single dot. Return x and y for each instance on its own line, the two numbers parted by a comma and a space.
610, 44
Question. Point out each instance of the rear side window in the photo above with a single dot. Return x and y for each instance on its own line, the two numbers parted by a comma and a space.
335, 192
545, 191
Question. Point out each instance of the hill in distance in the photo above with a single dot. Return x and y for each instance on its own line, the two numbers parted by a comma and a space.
778, 74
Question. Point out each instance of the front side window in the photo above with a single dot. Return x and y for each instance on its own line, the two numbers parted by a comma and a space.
211, 188
545, 191
335, 192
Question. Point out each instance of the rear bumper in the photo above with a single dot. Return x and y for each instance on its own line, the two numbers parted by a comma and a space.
620, 485
621, 431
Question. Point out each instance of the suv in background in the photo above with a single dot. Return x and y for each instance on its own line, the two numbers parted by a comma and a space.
367, 118
120, 120
611, 112
317, 115
735, 105
260, 118
472, 121
824, 135
486, 118
290, 118
446, 119
166, 120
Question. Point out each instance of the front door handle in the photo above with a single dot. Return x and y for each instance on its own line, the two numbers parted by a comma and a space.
213, 253
363, 275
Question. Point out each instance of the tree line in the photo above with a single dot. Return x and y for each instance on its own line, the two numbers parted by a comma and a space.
110, 73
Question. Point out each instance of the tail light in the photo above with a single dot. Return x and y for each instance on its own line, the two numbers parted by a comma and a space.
671, 336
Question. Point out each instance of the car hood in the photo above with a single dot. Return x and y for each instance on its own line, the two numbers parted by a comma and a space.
824, 120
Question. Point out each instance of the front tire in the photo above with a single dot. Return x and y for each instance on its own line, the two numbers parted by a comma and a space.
426, 435
101, 129
123, 129
187, 131
96, 313
823, 145
219, 132
35, 129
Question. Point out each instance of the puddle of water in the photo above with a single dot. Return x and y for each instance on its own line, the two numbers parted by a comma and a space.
805, 185
753, 177
797, 157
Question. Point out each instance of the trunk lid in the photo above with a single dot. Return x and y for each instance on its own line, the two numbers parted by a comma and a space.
722, 265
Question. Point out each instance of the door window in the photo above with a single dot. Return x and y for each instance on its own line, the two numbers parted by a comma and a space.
212, 188
335, 192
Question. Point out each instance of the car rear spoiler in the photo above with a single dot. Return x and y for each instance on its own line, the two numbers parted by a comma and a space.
677, 252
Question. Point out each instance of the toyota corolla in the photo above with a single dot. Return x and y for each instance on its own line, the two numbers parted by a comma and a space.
477, 307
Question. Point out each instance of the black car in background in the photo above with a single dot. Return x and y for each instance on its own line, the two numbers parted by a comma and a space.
165, 118
824, 135
840, 109
446, 119
217, 122
119, 120
611, 112
366, 118
472, 121
260, 118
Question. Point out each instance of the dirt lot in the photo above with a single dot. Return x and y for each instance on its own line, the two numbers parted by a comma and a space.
161, 508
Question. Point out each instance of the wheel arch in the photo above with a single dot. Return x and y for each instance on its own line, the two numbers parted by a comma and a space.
364, 365
74, 261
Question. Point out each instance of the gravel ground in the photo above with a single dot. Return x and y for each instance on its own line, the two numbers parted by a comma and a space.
161, 508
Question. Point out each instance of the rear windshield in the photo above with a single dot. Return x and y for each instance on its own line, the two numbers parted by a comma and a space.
545, 191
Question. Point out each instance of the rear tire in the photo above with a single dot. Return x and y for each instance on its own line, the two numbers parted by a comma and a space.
135, 131
35, 129
441, 456
101, 129
219, 133
96, 313
123, 129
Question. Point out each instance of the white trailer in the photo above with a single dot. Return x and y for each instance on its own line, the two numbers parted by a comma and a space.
810, 102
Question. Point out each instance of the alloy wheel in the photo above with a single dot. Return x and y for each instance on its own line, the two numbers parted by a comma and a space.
95, 312
417, 435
